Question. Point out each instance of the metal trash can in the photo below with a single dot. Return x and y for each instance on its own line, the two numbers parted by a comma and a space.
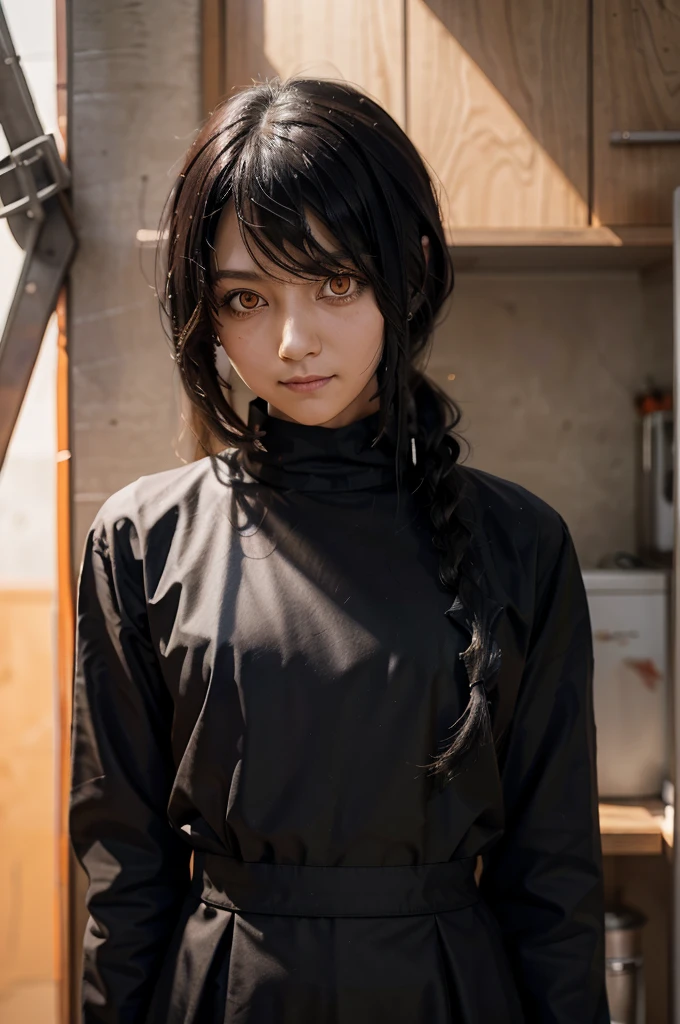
625, 974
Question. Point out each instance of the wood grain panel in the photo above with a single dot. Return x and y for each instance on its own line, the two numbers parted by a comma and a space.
64, 670
632, 830
636, 87
28, 818
497, 104
360, 42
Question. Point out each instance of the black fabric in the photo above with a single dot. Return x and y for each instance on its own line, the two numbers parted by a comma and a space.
266, 664
312, 890
297, 456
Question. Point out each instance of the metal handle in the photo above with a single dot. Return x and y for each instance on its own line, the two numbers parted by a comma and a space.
664, 138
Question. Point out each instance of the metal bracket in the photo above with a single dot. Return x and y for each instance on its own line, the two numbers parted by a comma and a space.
33, 201
20, 163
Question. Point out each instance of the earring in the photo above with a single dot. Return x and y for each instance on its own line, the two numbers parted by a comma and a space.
412, 425
409, 315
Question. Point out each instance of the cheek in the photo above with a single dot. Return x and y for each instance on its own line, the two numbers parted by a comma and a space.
240, 342
247, 361
358, 335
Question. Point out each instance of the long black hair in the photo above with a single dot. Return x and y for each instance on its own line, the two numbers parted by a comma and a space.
281, 150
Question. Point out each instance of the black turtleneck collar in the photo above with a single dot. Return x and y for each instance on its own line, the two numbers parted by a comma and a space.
322, 459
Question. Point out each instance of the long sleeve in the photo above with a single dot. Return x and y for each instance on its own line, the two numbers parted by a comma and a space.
543, 880
138, 867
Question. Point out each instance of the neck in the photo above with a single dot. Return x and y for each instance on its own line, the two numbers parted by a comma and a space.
306, 457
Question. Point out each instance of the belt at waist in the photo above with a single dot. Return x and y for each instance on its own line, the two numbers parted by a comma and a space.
312, 891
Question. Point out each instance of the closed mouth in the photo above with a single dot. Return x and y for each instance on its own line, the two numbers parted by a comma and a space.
306, 380
302, 384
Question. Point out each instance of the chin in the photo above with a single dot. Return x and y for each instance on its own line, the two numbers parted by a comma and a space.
313, 410
313, 415
322, 408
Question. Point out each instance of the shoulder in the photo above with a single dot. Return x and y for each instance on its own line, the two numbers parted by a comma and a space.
511, 517
509, 503
144, 505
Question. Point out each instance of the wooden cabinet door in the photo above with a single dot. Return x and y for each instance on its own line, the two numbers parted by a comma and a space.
636, 87
361, 41
497, 103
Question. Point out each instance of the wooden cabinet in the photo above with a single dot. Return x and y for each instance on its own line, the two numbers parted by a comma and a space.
511, 103
361, 42
636, 87
497, 103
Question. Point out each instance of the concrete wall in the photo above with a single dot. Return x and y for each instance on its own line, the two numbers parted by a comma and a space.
547, 366
134, 107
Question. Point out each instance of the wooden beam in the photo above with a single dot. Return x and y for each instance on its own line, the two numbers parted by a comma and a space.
65, 968
213, 46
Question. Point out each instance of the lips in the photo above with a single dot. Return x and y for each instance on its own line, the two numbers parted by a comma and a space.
311, 383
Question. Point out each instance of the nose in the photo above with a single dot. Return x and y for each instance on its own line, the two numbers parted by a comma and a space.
298, 338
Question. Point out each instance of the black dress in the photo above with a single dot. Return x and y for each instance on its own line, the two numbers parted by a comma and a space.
266, 665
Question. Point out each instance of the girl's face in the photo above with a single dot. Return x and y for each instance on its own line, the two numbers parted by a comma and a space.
309, 348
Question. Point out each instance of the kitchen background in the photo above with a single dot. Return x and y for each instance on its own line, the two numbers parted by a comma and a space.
561, 316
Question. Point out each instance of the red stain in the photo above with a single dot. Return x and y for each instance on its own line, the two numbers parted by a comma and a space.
647, 670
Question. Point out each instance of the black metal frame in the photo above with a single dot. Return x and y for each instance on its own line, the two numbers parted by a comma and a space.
33, 185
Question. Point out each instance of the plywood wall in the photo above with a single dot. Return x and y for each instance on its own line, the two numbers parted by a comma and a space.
498, 106
27, 810
356, 41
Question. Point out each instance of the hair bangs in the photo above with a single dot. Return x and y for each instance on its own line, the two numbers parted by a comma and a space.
276, 186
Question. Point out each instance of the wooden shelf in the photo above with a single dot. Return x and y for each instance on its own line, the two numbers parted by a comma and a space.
633, 830
557, 248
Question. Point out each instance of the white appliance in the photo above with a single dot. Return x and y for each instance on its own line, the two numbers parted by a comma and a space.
629, 615
657, 482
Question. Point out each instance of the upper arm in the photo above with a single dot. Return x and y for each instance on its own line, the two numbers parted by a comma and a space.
544, 878
122, 773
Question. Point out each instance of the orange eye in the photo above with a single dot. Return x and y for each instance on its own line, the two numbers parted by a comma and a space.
244, 302
340, 285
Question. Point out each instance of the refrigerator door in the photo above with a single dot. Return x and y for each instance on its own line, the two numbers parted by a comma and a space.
630, 637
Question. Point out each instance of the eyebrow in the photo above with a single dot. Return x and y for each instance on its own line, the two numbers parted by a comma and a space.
253, 275
246, 275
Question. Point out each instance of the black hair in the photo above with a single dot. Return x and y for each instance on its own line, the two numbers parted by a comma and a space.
279, 151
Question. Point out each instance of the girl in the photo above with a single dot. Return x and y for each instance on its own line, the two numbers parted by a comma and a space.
326, 673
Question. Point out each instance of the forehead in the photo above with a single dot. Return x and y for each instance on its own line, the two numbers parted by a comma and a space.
231, 252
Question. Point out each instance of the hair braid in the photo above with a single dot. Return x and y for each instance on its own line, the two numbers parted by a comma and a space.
441, 489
